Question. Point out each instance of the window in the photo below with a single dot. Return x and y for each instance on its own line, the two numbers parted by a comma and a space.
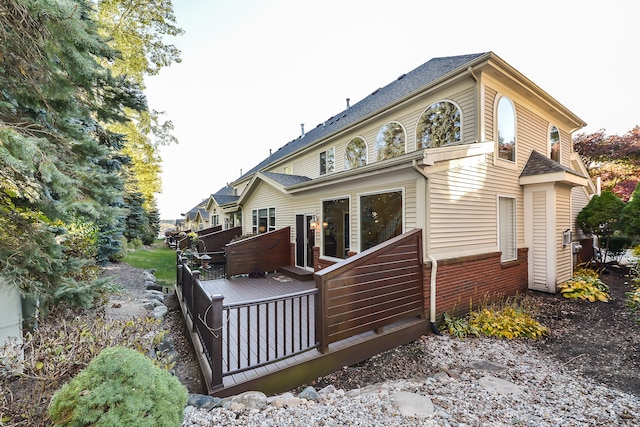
554, 144
380, 218
355, 155
263, 220
439, 125
288, 170
390, 141
506, 130
507, 228
327, 161
335, 228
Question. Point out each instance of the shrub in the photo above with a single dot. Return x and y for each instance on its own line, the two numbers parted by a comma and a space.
509, 322
509, 319
120, 387
586, 286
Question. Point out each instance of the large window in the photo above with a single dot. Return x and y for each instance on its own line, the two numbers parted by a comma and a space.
439, 125
507, 228
390, 141
355, 155
327, 161
335, 228
554, 144
506, 130
380, 218
263, 220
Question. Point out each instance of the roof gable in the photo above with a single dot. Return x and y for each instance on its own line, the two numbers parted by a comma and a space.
415, 80
541, 169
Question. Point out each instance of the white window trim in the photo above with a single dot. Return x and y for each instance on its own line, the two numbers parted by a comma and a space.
327, 171
402, 189
375, 142
507, 164
551, 125
461, 124
515, 226
366, 152
321, 221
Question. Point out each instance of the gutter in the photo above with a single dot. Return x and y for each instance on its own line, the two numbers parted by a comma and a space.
434, 270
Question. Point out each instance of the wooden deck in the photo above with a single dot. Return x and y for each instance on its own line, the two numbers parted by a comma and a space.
278, 332
290, 372
243, 289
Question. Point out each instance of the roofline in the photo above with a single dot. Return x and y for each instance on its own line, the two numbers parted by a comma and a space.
516, 75
461, 71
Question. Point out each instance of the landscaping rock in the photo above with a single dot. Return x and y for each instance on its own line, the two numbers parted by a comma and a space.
160, 311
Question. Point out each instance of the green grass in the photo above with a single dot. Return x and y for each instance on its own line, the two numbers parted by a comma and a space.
159, 257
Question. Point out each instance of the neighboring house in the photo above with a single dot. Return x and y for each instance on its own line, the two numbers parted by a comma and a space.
197, 218
465, 148
223, 209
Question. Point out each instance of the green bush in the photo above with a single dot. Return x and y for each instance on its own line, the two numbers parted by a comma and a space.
120, 387
510, 318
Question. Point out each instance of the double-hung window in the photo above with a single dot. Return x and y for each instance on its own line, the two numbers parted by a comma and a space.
263, 220
327, 161
507, 228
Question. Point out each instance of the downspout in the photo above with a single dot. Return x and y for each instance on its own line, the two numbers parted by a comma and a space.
434, 271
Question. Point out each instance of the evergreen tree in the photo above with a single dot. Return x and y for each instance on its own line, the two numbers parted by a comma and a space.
630, 217
58, 164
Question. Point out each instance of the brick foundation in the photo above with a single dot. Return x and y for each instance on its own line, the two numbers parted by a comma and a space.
474, 279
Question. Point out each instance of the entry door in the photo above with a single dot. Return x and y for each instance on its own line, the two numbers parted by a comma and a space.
305, 239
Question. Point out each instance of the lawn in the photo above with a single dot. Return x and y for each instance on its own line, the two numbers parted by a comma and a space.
160, 257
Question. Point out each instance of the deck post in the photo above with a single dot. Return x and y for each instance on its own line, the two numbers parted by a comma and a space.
214, 321
195, 278
321, 312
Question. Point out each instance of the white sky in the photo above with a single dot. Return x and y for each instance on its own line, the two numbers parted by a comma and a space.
253, 70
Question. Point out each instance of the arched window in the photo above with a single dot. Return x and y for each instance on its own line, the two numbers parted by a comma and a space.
439, 125
390, 141
506, 130
554, 144
355, 155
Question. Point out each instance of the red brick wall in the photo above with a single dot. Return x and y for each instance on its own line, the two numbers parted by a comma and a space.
474, 279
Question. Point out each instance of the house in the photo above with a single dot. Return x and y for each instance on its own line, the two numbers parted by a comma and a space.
223, 209
465, 148
196, 218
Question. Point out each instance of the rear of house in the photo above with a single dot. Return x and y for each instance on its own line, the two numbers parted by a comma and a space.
464, 148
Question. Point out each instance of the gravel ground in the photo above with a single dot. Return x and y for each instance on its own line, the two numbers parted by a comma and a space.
552, 394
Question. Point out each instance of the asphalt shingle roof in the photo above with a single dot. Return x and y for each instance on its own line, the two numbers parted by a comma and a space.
285, 179
404, 85
539, 164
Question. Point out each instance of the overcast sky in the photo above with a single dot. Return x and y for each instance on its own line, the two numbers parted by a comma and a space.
253, 70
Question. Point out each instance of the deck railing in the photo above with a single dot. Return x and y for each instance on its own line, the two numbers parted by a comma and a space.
260, 253
373, 289
263, 331
237, 337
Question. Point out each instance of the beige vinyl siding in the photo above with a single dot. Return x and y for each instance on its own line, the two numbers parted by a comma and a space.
265, 196
531, 134
466, 102
563, 222
539, 249
579, 200
463, 208
565, 148
489, 116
